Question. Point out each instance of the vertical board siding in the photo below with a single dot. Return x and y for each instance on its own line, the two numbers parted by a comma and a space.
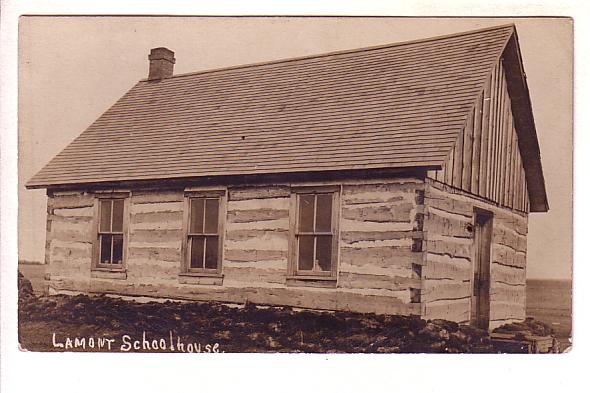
485, 160
485, 136
476, 148
449, 250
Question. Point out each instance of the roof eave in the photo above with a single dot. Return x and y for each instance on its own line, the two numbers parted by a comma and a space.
525, 125
240, 179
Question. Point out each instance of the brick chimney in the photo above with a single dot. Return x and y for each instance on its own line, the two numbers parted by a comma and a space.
161, 63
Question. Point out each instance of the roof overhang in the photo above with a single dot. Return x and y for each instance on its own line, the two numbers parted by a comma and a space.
525, 125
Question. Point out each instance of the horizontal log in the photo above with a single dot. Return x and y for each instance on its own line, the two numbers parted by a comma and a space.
350, 237
268, 225
156, 235
72, 201
266, 241
146, 269
446, 203
312, 298
140, 197
403, 294
253, 276
506, 256
433, 290
78, 225
307, 298
256, 204
247, 234
272, 264
452, 310
319, 299
389, 270
154, 254
376, 193
71, 245
174, 244
500, 292
446, 226
67, 235
399, 243
507, 310
438, 268
79, 265
254, 255
240, 194
158, 218
110, 275
347, 225
370, 281
71, 219
157, 207
60, 269
512, 220
397, 213
510, 239
246, 216
450, 248
75, 212
380, 256
508, 274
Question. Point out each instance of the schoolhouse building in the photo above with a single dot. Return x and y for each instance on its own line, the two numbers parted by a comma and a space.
395, 179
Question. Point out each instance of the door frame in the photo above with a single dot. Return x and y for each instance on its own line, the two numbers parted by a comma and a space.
483, 221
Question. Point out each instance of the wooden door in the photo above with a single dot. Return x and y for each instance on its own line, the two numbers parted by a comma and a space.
480, 298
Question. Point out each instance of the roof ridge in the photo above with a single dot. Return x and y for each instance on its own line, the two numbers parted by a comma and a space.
341, 52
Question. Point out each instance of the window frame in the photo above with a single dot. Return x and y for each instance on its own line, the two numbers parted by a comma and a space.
296, 276
186, 269
110, 267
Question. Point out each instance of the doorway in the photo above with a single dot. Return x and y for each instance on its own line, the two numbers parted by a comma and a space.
480, 298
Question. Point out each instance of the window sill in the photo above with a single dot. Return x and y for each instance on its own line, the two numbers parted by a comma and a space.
201, 278
312, 281
115, 274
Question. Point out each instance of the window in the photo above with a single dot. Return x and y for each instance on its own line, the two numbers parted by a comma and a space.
204, 233
110, 232
314, 243
109, 244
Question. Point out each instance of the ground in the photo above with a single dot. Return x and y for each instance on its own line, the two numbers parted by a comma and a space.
48, 323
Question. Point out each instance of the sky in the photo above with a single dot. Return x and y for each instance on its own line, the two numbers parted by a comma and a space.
71, 69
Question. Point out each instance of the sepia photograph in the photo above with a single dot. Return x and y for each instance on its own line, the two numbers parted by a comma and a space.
290, 184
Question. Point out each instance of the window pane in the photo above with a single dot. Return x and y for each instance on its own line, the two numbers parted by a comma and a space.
211, 215
118, 249
197, 215
105, 249
212, 245
117, 215
305, 253
306, 203
197, 244
105, 216
324, 252
323, 222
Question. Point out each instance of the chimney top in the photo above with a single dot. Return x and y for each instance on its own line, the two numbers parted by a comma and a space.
161, 63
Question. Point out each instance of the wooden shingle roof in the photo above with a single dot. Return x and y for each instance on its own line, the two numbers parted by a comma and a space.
393, 106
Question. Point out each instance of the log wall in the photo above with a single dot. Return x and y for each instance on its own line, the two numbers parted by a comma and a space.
379, 254
486, 160
449, 253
